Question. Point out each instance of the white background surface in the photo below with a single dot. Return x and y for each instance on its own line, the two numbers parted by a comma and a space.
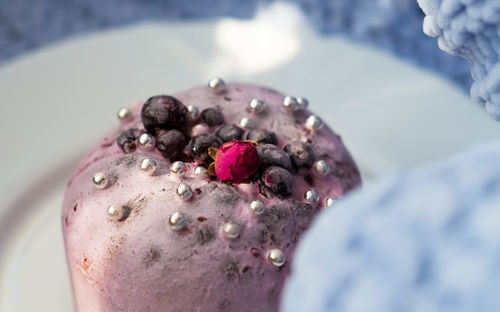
56, 102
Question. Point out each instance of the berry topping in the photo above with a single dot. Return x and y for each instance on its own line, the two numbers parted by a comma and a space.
302, 156
262, 136
198, 146
229, 132
126, 141
271, 155
199, 129
236, 161
170, 143
212, 117
164, 112
277, 181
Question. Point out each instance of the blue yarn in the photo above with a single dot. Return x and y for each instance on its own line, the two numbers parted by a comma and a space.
471, 29
421, 240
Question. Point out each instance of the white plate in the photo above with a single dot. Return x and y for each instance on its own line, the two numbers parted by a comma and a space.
55, 102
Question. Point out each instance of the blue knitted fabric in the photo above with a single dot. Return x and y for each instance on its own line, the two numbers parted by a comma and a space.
421, 240
471, 29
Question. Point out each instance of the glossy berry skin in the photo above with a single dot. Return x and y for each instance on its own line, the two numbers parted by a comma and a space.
170, 143
276, 181
262, 136
236, 161
212, 117
229, 132
163, 112
301, 155
127, 141
198, 146
271, 155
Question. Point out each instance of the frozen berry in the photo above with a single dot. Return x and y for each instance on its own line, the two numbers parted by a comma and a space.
262, 136
126, 141
301, 155
164, 112
229, 132
277, 181
198, 146
236, 161
199, 129
271, 155
170, 143
212, 117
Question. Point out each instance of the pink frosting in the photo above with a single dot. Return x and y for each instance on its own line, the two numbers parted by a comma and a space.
141, 264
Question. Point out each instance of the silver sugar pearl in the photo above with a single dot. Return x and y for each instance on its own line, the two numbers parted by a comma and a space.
145, 141
330, 201
276, 257
303, 103
179, 168
184, 191
100, 180
321, 168
246, 122
193, 113
200, 171
256, 105
148, 165
230, 230
217, 84
257, 207
176, 221
115, 212
314, 123
124, 114
290, 103
312, 196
